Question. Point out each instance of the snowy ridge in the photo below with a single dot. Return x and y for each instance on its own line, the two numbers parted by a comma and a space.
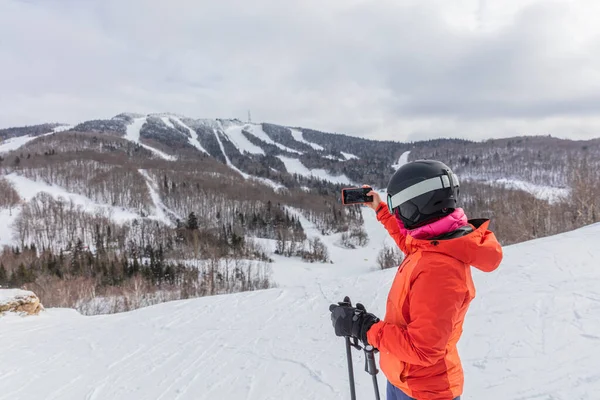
531, 333
298, 137
133, 135
295, 166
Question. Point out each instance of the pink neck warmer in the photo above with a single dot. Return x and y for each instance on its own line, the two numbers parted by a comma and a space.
449, 223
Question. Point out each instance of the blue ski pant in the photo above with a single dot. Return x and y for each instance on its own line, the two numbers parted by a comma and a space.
393, 393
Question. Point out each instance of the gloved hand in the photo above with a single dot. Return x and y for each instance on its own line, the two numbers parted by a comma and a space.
351, 321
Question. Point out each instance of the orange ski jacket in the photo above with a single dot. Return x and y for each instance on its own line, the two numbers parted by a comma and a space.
426, 307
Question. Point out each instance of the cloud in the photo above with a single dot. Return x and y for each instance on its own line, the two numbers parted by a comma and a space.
401, 70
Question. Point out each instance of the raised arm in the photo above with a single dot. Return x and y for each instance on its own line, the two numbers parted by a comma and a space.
388, 220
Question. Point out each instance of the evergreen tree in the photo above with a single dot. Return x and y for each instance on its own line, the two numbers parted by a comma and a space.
192, 222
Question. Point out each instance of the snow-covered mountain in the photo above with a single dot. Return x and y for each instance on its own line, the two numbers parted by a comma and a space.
531, 333
538, 165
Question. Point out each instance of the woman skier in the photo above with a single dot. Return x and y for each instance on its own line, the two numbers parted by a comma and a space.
429, 297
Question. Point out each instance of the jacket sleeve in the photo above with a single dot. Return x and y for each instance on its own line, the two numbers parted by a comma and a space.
391, 225
436, 299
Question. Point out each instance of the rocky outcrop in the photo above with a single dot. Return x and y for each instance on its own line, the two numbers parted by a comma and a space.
19, 301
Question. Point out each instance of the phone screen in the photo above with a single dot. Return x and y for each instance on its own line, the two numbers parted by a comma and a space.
356, 196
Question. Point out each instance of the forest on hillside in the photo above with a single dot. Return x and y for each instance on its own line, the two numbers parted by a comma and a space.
154, 230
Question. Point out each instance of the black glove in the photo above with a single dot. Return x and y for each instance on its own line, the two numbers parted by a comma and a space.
351, 321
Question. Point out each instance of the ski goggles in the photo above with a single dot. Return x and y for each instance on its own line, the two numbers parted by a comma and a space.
400, 202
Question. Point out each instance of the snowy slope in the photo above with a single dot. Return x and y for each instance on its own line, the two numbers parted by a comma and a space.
27, 189
349, 156
14, 143
161, 212
402, 160
298, 137
7, 218
63, 128
548, 193
235, 135
290, 272
193, 135
531, 333
257, 130
133, 135
295, 166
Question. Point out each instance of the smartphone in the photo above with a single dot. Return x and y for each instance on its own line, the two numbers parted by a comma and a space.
356, 196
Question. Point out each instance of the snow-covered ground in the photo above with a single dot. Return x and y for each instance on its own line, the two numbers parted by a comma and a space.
193, 134
8, 295
236, 132
14, 143
257, 130
349, 156
27, 189
7, 219
235, 135
133, 135
531, 333
295, 166
161, 212
291, 272
548, 193
62, 128
402, 160
298, 137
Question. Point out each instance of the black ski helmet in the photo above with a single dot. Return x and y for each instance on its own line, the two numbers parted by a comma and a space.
421, 191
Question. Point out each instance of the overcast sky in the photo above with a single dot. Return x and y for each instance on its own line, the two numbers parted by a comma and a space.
382, 69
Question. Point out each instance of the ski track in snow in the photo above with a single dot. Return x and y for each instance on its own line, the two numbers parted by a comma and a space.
133, 135
160, 209
193, 135
167, 122
294, 165
402, 160
258, 132
349, 156
298, 137
264, 181
531, 333
235, 135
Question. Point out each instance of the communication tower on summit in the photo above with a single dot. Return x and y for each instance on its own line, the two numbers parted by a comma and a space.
249, 117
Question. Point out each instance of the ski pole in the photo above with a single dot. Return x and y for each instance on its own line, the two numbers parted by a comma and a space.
350, 368
371, 368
